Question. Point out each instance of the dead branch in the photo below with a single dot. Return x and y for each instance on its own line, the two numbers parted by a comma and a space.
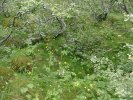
5, 38
62, 27
125, 7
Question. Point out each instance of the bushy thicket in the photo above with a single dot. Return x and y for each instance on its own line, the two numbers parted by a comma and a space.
66, 50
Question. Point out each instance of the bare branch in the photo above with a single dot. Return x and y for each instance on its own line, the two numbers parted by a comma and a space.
125, 7
5, 38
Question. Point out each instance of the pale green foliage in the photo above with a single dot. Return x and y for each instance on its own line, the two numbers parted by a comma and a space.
90, 61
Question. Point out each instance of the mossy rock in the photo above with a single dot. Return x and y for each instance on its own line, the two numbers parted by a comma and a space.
22, 63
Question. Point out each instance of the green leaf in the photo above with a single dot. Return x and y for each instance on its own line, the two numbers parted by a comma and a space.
28, 96
24, 90
30, 86
64, 52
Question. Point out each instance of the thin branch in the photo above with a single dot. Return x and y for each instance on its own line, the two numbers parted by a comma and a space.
125, 7
5, 39
60, 21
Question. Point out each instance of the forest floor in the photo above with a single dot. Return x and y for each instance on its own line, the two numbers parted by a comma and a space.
49, 70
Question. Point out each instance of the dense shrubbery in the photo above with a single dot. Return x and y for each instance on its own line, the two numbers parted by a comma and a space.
66, 50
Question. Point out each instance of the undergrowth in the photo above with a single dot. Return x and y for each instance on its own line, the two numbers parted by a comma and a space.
91, 61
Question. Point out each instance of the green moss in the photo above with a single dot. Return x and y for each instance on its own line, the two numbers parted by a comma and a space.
22, 88
6, 75
22, 64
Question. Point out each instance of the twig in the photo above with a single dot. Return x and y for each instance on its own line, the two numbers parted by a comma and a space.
5, 39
